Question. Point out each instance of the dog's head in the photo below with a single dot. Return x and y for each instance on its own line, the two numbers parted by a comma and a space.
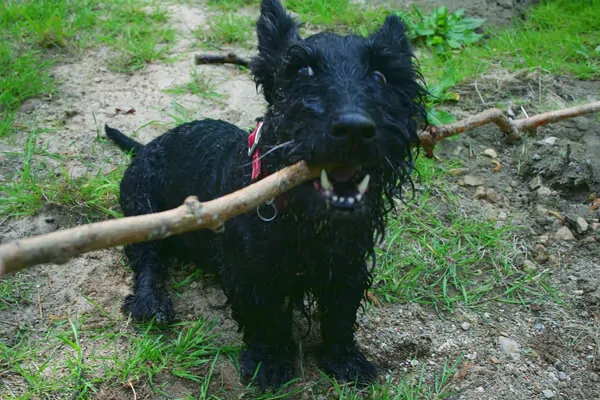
347, 103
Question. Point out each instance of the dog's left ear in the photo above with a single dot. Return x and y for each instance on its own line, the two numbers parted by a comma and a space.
276, 31
391, 34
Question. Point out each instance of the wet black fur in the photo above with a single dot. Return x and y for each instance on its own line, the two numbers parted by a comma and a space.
310, 248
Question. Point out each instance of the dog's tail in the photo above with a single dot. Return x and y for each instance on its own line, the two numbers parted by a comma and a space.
124, 142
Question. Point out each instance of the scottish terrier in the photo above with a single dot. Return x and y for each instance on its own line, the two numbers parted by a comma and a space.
350, 104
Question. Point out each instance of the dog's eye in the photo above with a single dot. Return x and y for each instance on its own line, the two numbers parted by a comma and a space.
306, 71
379, 77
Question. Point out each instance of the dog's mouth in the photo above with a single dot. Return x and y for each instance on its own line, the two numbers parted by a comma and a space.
343, 187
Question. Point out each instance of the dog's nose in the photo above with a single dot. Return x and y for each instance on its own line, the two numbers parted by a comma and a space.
353, 125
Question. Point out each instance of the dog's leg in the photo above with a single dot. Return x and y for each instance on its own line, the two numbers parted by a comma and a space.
263, 312
150, 298
338, 304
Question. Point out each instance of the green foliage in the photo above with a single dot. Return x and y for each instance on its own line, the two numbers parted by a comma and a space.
440, 93
227, 29
443, 31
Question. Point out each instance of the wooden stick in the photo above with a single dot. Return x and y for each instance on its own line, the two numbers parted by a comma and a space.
230, 58
434, 134
59, 247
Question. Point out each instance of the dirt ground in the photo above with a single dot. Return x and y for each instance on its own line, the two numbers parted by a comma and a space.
546, 184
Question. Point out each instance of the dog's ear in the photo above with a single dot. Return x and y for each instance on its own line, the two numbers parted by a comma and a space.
391, 35
276, 31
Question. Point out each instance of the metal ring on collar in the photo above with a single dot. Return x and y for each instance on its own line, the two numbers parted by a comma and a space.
273, 210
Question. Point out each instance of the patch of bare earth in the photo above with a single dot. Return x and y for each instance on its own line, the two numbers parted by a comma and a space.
546, 184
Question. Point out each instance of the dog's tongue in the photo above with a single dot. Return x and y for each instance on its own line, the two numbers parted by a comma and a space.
342, 174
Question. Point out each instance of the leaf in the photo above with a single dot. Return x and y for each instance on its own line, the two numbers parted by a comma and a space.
439, 117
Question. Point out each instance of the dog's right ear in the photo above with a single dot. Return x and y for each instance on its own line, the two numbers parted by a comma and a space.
276, 31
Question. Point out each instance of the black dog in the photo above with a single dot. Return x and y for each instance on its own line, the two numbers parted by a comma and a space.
347, 103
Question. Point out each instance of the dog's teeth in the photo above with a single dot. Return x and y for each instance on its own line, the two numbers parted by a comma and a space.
358, 197
335, 198
325, 183
351, 200
364, 184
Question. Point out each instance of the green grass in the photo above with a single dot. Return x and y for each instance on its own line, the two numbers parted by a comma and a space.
199, 85
34, 35
227, 29
232, 5
37, 185
75, 360
435, 254
558, 37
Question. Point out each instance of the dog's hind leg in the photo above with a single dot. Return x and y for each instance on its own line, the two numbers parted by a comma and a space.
338, 301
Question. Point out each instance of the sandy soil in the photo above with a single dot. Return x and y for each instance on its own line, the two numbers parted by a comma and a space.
508, 352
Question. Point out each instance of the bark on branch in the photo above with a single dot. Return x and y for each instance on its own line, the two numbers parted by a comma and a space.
230, 58
59, 247
513, 128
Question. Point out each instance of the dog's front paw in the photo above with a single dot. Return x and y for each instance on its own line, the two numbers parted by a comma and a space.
144, 308
266, 369
348, 365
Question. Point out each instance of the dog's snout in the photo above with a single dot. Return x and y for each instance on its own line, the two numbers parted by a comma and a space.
353, 125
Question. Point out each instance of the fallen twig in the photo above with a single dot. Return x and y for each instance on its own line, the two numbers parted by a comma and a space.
513, 128
58, 247
230, 58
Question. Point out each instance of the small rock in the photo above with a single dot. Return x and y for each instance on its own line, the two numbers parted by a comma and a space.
471, 180
494, 360
549, 394
549, 141
465, 326
541, 210
491, 195
490, 153
581, 225
458, 171
509, 346
543, 191
97, 79
562, 376
529, 266
536, 157
480, 193
564, 234
29, 105
535, 183
543, 239
595, 226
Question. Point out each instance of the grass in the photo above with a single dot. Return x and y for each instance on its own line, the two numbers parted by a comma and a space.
38, 183
75, 360
199, 85
227, 29
435, 254
34, 35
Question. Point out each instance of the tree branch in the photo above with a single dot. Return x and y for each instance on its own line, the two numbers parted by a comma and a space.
434, 134
230, 58
58, 247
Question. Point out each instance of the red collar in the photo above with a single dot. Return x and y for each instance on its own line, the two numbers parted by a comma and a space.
272, 206
254, 152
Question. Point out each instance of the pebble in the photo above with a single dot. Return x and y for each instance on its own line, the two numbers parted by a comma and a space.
29, 105
564, 234
465, 326
562, 376
535, 183
509, 346
529, 266
470, 180
543, 191
595, 226
457, 171
480, 193
491, 195
494, 360
536, 157
581, 225
549, 141
549, 394
490, 153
